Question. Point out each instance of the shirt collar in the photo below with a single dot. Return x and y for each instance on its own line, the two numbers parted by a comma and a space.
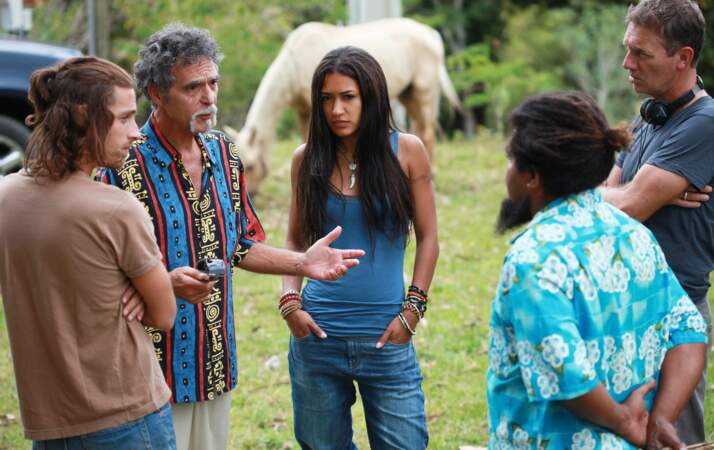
559, 206
152, 131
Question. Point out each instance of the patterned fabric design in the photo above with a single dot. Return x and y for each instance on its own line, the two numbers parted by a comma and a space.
198, 355
585, 297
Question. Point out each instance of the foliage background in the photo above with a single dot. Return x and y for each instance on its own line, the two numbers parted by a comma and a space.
499, 51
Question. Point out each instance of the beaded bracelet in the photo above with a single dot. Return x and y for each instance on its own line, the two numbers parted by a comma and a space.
418, 290
289, 308
288, 293
288, 298
418, 302
405, 324
289, 302
413, 308
419, 296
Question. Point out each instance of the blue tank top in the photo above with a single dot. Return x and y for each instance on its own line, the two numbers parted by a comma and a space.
369, 296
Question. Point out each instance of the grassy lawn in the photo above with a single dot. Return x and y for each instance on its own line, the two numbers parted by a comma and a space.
451, 345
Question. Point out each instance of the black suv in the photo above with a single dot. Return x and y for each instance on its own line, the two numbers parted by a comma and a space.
18, 59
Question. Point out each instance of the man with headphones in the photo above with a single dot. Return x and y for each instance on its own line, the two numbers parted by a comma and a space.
665, 178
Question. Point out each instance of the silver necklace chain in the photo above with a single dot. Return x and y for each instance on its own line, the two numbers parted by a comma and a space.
352, 165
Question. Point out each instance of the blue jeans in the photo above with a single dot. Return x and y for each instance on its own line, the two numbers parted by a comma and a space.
322, 375
154, 431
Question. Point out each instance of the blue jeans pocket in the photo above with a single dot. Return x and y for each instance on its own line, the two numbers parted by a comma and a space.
303, 338
398, 345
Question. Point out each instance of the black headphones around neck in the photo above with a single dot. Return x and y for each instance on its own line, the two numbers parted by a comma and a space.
657, 112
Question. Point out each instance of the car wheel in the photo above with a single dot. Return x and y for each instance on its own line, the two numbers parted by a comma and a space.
13, 140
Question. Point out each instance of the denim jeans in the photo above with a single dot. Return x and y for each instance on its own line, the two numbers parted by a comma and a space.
154, 431
322, 375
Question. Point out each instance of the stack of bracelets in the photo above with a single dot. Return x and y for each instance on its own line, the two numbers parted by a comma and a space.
289, 302
415, 301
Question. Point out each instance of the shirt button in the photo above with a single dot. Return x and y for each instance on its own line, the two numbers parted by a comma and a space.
185, 399
172, 209
176, 239
183, 335
183, 351
166, 195
184, 365
184, 320
176, 224
182, 306
179, 254
162, 178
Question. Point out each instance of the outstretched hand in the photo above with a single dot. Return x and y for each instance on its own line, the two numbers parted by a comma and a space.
322, 262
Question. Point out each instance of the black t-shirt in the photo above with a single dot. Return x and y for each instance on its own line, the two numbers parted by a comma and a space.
683, 145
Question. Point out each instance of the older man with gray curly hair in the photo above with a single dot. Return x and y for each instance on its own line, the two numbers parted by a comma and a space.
190, 179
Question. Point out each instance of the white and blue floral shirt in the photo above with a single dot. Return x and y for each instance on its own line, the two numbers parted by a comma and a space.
585, 297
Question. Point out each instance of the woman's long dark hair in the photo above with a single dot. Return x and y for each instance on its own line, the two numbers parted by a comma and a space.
383, 186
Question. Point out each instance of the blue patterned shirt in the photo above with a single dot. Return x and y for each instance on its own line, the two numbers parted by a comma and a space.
585, 297
216, 221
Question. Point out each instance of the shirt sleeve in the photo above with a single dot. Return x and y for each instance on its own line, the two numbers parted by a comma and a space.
251, 230
551, 352
689, 151
130, 235
685, 324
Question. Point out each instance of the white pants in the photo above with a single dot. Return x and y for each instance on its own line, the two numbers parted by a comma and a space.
203, 425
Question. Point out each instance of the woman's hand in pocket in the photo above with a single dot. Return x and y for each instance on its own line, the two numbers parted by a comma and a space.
396, 333
301, 324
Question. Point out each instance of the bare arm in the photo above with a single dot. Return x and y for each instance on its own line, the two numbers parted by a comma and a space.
294, 227
425, 228
615, 177
155, 289
415, 163
651, 189
680, 373
299, 322
263, 258
628, 419
320, 261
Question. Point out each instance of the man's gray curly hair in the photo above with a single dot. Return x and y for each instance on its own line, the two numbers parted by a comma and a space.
175, 43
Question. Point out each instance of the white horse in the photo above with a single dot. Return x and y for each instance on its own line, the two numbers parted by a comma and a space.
410, 54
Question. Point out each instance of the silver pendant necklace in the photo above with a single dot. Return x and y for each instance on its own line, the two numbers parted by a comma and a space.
352, 165
353, 172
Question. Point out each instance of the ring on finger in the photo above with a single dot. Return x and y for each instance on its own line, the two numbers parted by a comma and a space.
684, 197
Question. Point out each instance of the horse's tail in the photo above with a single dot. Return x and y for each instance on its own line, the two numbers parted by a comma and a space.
448, 89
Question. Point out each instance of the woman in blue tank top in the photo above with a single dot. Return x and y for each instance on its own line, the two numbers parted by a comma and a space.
355, 171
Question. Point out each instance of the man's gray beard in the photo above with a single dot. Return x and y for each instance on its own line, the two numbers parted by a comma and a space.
212, 110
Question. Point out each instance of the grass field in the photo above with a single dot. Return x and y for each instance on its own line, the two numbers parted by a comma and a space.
451, 345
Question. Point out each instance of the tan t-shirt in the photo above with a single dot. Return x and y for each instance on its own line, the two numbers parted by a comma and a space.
67, 251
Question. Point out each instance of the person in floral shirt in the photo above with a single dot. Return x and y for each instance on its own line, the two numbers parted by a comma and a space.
593, 342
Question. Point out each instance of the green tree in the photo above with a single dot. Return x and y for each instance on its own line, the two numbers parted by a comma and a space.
250, 34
